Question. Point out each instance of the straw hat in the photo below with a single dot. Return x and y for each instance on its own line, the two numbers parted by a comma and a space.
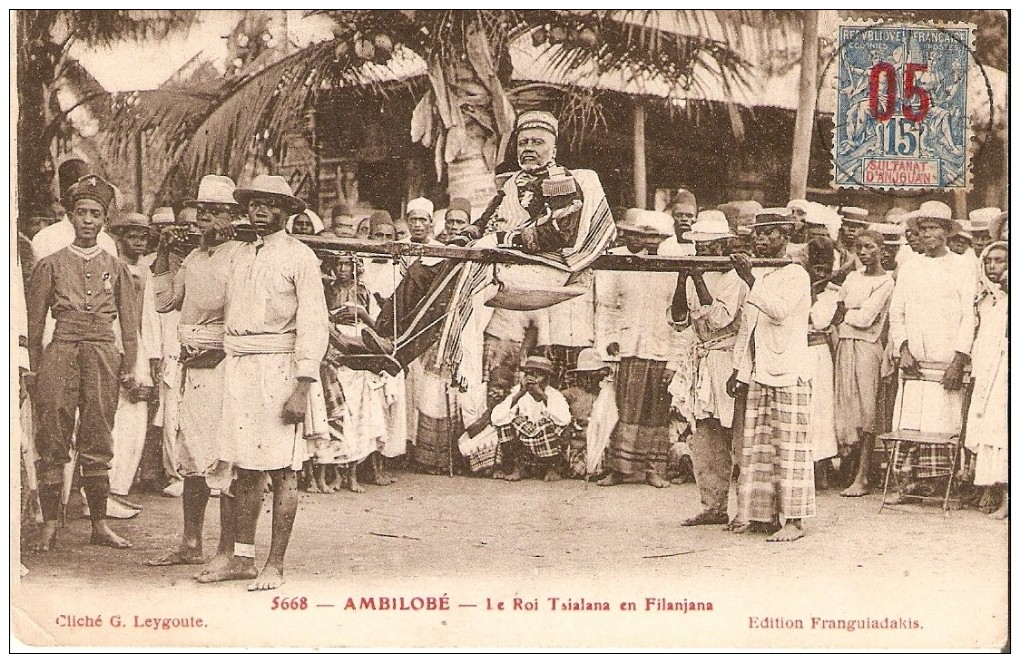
214, 189
981, 219
538, 363
891, 234
711, 225
996, 225
272, 187
588, 360
774, 216
126, 221
163, 216
963, 229
855, 215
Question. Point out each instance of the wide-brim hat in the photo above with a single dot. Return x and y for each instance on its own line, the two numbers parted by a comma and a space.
631, 221
214, 189
538, 363
273, 187
711, 225
774, 216
588, 360
126, 221
856, 215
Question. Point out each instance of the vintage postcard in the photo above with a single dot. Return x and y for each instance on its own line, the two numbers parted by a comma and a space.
501, 328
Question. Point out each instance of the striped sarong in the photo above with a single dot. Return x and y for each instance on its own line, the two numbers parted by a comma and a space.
640, 441
777, 474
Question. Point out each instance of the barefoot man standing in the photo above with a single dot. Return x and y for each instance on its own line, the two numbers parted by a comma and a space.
198, 289
276, 333
772, 362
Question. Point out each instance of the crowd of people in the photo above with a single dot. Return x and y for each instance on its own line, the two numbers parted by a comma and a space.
264, 365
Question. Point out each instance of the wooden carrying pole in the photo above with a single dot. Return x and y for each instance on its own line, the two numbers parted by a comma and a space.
632, 262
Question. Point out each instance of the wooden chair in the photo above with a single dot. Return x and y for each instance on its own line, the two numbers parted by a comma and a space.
894, 441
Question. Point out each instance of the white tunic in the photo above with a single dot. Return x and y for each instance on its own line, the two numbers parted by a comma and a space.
276, 331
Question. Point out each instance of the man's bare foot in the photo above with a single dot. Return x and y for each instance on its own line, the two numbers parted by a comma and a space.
381, 479
232, 571
1003, 511
47, 541
216, 563
612, 479
515, 475
552, 475
856, 489
353, 485
320, 485
498, 474
182, 555
269, 579
103, 535
894, 498
787, 534
655, 480
739, 527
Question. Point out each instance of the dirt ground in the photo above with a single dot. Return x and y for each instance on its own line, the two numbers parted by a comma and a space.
489, 539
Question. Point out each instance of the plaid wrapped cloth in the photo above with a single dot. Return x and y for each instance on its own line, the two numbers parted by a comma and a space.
564, 358
922, 461
332, 392
541, 439
640, 441
480, 451
777, 474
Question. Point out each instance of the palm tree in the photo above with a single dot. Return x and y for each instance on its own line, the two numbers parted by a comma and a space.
465, 115
44, 67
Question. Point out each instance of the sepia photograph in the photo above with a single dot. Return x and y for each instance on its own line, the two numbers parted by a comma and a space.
544, 328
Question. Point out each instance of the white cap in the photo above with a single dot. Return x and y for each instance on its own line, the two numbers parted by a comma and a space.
420, 206
934, 209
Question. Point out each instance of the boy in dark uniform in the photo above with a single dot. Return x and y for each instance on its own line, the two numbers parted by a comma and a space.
81, 370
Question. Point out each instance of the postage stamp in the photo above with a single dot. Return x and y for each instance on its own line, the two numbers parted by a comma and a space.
901, 119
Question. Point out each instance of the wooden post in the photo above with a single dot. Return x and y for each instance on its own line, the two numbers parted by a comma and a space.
640, 169
138, 171
805, 121
313, 127
959, 203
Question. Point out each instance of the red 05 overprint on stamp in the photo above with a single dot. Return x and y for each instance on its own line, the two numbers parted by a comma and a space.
902, 118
